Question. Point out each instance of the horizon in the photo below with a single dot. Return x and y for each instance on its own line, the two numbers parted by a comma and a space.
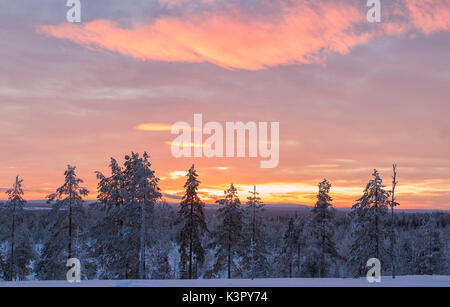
266, 205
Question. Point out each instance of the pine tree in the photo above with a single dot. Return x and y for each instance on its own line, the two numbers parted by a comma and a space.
159, 261
20, 249
142, 191
431, 258
323, 228
127, 197
286, 257
109, 244
70, 196
24, 254
228, 235
367, 230
51, 264
65, 218
194, 226
255, 260
164, 247
407, 257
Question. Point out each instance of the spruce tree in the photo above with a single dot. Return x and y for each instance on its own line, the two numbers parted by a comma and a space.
141, 193
127, 198
108, 245
70, 196
288, 251
65, 218
323, 228
228, 235
254, 261
431, 258
367, 228
194, 226
407, 257
20, 249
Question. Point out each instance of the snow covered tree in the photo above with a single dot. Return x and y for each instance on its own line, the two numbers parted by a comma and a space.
431, 258
65, 218
159, 259
20, 250
109, 245
228, 235
127, 197
163, 254
367, 229
194, 226
407, 257
141, 193
70, 196
24, 254
286, 257
322, 229
254, 262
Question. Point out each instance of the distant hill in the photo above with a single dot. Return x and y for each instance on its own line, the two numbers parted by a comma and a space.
282, 208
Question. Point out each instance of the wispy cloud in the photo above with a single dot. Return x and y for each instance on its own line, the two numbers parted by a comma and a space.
429, 15
177, 174
324, 165
184, 144
154, 127
161, 127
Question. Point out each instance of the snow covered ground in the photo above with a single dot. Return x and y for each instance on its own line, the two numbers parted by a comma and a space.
401, 281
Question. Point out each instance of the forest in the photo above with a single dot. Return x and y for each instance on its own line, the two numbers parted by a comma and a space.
131, 232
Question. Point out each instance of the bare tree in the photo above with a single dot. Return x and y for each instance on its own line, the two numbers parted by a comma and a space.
393, 203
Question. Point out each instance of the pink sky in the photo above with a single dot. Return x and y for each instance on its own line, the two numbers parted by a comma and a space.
350, 96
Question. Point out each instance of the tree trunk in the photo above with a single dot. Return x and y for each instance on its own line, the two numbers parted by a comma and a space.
142, 245
392, 243
377, 236
253, 233
11, 272
229, 255
69, 248
394, 184
322, 257
190, 240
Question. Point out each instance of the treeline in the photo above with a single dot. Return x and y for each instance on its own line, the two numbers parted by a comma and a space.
131, 233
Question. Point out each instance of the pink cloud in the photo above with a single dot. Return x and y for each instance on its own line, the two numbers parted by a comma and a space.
306, 33
429, 15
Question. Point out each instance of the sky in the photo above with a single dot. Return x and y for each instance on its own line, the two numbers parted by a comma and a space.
349, 95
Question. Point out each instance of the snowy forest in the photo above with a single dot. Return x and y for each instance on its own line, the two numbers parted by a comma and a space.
131, 232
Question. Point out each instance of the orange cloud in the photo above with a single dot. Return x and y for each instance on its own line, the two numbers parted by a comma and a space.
184, 144
160, 127
177, 174
429, 15
154, 127
305, 34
